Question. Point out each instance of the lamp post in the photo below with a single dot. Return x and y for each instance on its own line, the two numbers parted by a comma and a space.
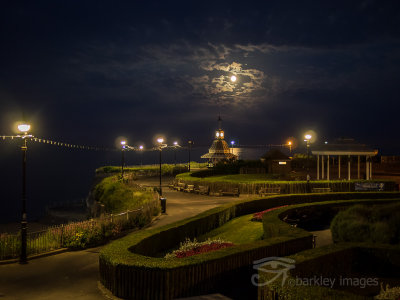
24, 128
290, 146
190, 143
307, 140
123, 145
160, 144
232, 143
175, 146
141, 154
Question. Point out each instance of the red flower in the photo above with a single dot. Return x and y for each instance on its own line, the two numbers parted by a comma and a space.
258, 216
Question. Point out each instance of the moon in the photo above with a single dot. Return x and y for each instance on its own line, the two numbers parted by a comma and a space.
233, 78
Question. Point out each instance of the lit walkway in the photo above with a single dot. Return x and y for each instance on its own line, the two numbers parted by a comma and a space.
74, 275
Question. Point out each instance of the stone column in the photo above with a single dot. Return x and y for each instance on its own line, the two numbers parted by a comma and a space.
348, 168
323, 167
327, 168
339, 167
366, 168
317, 166
358, 167
370, 168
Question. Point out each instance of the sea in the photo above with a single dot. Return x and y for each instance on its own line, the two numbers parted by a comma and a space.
63, 175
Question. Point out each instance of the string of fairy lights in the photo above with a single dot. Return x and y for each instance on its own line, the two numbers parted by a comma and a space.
82, 147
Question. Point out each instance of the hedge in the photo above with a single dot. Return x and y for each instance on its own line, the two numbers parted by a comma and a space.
133, 268
249, 185
150, 170
337, 261
273, 228
331, 261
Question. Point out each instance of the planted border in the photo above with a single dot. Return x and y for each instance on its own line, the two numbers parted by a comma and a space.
130, 268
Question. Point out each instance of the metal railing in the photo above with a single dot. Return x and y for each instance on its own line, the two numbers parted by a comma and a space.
61, 236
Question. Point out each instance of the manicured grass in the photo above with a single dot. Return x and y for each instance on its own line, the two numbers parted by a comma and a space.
240, 230
254, 179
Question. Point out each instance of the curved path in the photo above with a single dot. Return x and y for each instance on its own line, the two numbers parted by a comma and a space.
74, 275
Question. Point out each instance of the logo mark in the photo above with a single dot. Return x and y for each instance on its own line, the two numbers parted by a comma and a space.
275, 267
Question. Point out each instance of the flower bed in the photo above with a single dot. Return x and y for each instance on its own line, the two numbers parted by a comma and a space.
258, 216
190, 248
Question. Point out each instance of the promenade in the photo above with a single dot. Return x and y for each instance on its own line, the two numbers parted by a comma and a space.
74, 274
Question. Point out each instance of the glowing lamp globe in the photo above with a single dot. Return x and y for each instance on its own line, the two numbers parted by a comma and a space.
233, 78
160, 140
24, 128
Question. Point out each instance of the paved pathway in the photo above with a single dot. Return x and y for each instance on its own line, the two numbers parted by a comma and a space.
74, 275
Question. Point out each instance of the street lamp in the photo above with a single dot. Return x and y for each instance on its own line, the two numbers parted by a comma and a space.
175, 146
290, 146
123, 145
232, 143
160, 144
190, 143
24, 128
307, 140
141, 154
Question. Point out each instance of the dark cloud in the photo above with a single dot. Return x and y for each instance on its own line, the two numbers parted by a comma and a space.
168, 65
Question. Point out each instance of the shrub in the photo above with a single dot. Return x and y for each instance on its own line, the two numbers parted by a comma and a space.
389, 293
83, 237
149, 170
361, 223
118, 196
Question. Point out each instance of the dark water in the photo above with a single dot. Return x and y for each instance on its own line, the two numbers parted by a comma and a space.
58, 174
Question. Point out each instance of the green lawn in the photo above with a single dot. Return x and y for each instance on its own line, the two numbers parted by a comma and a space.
240, 230
258, 178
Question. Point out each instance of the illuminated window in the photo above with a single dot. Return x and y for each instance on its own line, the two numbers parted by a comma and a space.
282, 162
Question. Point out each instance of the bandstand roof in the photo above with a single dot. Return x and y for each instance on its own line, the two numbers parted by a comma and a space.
219, 150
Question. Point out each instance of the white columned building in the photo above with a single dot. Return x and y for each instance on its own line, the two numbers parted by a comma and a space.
344, 150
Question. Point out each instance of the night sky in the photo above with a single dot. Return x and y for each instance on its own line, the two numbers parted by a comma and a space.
90, 71
87, 72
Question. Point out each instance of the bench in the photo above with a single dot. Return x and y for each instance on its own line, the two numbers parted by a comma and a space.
233, 192
321, 190
173, 185
202, 190
189, 188
181, 186
269, 191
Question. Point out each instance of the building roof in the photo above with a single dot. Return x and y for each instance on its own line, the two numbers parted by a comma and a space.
220, 150
275, 154
343, 147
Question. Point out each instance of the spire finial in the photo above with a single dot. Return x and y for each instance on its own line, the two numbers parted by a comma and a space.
219, 122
